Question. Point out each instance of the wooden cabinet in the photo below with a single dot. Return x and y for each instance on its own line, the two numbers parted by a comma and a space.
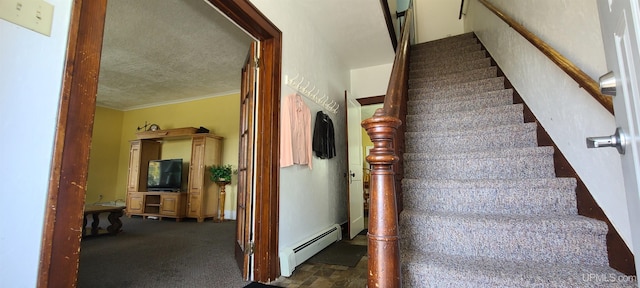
203, 194
140, 153
135, 203
200, 201
172, 204
157, 204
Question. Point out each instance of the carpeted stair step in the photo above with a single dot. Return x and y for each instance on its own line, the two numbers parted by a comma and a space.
444, 61
460, 88
552, 239
450, 67
450, 79
472, 119
482, 204
443, 43
440, 270
457, 89
462, 46
466, 54
459, 46
484, 139
464, 102
429, 56
446, 76
549, 196
515, 163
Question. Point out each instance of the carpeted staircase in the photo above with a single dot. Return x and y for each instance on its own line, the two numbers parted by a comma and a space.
482, 204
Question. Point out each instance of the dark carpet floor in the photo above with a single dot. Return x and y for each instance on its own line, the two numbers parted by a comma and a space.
340, 253
259, 285
152, 253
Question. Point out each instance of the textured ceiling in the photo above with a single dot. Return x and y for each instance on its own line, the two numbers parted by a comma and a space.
158, 52
171, 50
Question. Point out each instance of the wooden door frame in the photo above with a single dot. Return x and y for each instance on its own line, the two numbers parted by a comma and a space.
60, 249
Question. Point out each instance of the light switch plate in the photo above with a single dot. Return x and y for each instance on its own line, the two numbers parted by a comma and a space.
35, 15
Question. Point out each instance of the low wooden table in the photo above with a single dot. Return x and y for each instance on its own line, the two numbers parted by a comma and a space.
115, 212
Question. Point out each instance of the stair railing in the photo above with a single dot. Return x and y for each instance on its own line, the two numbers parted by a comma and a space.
583, 80
387, 134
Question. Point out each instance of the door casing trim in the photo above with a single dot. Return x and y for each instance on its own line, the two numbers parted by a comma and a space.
69, 169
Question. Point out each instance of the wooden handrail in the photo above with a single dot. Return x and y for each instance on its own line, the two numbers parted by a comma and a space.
387, 134
585, 82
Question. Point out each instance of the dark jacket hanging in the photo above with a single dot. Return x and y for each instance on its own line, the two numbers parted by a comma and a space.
324, 144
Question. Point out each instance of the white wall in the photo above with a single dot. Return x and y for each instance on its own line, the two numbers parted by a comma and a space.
32, 66
437, 19
310, 200
370, 81
567, 112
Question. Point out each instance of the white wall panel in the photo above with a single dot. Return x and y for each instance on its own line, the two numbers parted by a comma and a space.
437, 19
310, 200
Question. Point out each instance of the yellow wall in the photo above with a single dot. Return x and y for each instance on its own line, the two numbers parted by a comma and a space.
218, 114
366, 141
103, 159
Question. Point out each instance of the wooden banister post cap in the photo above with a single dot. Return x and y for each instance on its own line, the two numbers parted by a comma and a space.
381, 128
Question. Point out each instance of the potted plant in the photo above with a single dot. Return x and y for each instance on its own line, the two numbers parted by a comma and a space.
221, 173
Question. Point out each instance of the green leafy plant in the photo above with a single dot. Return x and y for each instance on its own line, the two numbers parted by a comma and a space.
221, 173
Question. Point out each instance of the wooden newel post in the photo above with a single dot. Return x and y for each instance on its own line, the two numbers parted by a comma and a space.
384, 250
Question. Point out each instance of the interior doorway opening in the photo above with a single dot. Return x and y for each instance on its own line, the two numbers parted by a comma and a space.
63, 215
368, 107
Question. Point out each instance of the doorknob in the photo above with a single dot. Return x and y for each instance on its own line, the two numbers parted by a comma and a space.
608, 84
617, 140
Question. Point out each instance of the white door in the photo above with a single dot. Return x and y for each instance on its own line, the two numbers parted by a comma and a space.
354, 151
620, 22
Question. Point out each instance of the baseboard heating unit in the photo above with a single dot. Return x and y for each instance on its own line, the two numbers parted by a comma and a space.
293, 256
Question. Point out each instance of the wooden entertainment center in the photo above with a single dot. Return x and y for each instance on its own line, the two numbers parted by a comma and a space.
199, 200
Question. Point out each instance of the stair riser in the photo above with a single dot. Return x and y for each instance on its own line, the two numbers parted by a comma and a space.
425, 276
446, 48
525, 242
439, 44
468, 52
450, 68
427, 61
488, 168
541, 183
518, 201
463, 98
431, 276
447, 77
463, 122
453, 116
471, 143
420, 275
434, 83
473, 87
424, 107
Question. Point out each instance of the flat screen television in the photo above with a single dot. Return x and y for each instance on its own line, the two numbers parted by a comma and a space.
165, 175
